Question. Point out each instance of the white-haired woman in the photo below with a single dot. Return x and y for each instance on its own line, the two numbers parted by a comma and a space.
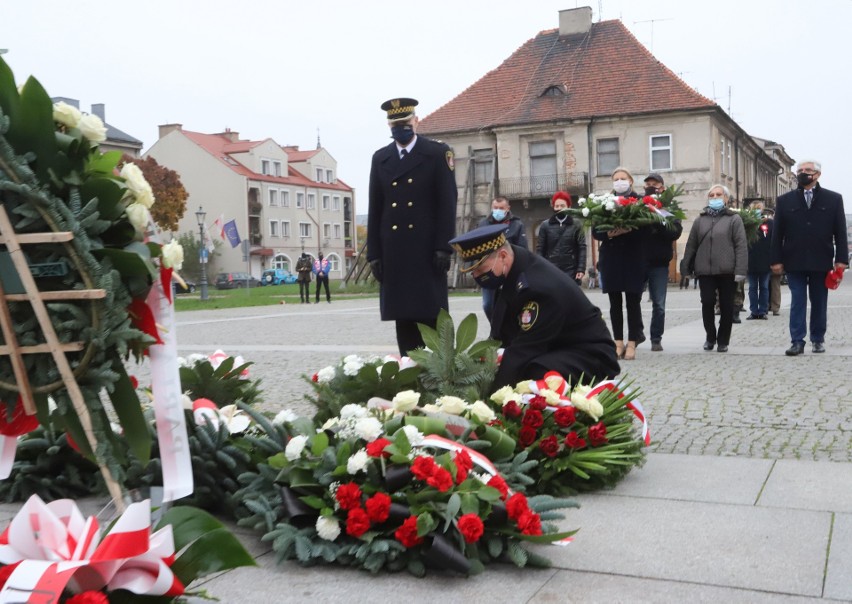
717, 252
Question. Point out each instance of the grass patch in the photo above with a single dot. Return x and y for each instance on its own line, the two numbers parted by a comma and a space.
265, 296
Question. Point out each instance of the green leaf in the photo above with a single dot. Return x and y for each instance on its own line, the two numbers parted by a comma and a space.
548, 538
425, 524
469, 503
466, 333
502, 445
486, 493
130, 415
33, 128
320, 443
214, 551
188, 524
427, 425
453, 505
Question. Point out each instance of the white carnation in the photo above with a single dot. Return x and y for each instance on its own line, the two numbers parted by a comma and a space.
609, 206
585, 212
294, 448
414, 436
328, 528
368, 428
285, 416
352, 410
451, 404
352, 358
482, 412
406, 400
357, 462
325, 375
173, 255
351, 368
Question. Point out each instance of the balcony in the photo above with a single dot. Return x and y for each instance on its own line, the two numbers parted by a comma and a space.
529, 187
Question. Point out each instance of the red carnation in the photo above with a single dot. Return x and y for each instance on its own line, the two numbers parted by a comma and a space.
19, 423
5, 572
516, 505
88, 597
134, 382
498, 483
348, 496
529, 523
549, 446
407, 533
441, 479
573, 441
357, 522
423, 467
512, 409
471, 528
538, 402
597, 434
565, 416
378, 507
315, 377
463, 465
527, 436
377, 448
533, 418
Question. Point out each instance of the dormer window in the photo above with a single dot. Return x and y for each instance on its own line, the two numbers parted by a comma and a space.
555, 90
319, 174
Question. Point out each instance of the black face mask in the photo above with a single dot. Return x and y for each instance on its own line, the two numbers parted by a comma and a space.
650, 190
402, 134
804, 179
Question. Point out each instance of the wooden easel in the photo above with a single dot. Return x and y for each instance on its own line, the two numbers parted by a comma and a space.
52, 345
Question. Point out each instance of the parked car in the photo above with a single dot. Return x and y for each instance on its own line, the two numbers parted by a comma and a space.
277, 276
179, 289
235, 280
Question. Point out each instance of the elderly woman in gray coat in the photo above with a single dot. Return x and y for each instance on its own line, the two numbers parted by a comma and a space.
717, 252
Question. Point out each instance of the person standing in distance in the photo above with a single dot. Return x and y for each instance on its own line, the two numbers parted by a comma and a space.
321, 267
303, 269
562, 240
411, 218
659, 255
808, 241
501, 213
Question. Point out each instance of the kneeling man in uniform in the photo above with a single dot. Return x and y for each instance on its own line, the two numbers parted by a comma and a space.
542, 317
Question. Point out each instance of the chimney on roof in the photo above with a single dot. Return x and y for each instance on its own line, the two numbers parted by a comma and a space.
99, 109
231, 136
166, 128
575, 21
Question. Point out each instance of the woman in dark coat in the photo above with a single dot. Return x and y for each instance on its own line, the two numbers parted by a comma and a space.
622, 268
561, 239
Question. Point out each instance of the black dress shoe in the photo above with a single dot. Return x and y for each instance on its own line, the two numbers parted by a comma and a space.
708, 345
818, 347
763, 317
722, 348
737, 318
795, 349
752, 317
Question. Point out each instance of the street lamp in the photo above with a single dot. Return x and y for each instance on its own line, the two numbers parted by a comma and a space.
202, 252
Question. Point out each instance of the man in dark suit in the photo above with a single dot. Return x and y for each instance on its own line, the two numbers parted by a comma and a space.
808, 241
542, 317
411, 218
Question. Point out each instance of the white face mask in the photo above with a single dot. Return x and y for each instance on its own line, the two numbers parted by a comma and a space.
621, 186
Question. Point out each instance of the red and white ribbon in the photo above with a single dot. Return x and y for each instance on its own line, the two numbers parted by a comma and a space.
439, 442
51, 542
632, 404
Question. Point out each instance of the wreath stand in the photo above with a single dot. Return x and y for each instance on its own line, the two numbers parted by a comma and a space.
51, 345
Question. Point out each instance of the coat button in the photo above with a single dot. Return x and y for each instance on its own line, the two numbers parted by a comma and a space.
393, 227
393, 205
410, 180
393, 184
410, 226
410, 203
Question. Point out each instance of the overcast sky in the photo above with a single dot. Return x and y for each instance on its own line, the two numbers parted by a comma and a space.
284, 69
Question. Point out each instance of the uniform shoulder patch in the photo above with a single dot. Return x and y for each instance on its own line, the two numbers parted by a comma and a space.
528, 316
451, 163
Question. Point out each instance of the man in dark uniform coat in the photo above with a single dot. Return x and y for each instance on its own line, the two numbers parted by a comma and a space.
542, 317
411, 218
809, 240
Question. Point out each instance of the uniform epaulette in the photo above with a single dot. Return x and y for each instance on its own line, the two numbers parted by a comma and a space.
522, 282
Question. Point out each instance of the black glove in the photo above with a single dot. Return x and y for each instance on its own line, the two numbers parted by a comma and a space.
441, 261
376, 268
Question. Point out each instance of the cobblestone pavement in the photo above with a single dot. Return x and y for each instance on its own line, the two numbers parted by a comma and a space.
751, 402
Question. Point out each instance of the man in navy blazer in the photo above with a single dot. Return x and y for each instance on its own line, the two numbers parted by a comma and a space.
411, 218
809, 240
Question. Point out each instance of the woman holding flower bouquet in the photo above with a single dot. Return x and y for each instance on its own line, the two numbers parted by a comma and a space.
717, 252
622, 268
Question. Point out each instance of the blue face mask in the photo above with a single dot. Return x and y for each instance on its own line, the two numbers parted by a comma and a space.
402, 134
499, 215
716, 204
759, 213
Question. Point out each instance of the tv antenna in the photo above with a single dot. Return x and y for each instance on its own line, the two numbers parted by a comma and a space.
652, 21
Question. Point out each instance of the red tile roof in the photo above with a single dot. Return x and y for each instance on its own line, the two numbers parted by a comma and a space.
300, 156
219, 146
605, 73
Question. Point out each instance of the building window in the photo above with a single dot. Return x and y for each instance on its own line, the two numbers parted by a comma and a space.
304, 229
543, 158
326, 201
285, 228
730, 170
300, 200
335, 203
722, 156
281, 262
319, 174
312, 201
608, 156
329, 176
273, 197
273, 228
277, 166
285, 199
483, 166
333, 262
326, 231
337, 231
264, 166
661, 152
